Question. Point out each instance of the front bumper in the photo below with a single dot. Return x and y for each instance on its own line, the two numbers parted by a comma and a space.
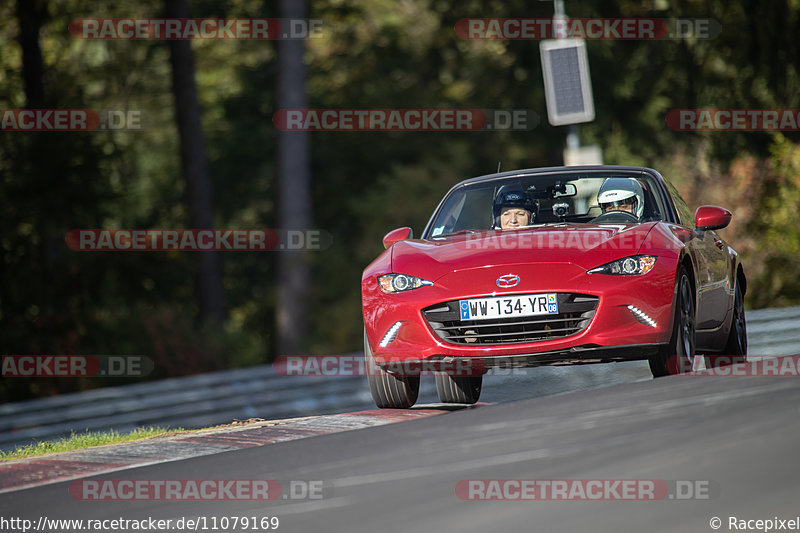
613, 329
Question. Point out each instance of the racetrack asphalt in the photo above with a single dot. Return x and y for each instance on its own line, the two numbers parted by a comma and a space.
736, 436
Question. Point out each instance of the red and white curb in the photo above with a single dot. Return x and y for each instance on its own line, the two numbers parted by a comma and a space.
66, 466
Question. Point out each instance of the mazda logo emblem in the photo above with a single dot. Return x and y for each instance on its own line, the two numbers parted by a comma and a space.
509, 280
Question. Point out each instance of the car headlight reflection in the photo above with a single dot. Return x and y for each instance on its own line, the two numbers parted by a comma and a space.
401, 282
634, 265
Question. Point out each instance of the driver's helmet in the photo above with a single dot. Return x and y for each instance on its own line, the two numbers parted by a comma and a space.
620, 191
507, 197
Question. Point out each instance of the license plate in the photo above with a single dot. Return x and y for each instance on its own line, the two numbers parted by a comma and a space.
508, 306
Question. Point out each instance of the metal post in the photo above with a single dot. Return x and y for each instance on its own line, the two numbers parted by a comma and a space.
558, 6
573, 139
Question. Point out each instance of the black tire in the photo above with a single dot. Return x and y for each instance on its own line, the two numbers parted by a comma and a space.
677, 357
389, 390
736, 347
458, 389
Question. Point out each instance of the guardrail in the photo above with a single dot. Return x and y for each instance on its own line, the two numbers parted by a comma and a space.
222, 397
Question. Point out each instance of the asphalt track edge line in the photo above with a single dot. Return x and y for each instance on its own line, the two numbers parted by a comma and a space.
26, 473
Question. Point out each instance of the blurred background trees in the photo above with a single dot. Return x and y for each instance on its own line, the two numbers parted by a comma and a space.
372, 54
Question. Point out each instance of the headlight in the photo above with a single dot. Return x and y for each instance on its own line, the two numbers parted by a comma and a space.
401, 282
627, 266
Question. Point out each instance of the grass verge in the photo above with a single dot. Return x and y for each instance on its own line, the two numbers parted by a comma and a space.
86, 440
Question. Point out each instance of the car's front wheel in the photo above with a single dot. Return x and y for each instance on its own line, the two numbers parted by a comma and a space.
458, 389
389, 390
677, 357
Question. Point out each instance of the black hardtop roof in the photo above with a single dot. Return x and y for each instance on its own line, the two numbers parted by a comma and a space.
556, 170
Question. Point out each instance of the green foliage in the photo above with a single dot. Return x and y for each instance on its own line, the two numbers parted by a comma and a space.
775, 228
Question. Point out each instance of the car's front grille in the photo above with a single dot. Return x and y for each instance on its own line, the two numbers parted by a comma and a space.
575, 313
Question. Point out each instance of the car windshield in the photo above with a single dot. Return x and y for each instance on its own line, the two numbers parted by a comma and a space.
556, 199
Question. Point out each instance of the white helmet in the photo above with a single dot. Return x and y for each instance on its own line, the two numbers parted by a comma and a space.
618, 191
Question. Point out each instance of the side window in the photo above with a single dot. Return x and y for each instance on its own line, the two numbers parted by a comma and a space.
653, 204
686, 215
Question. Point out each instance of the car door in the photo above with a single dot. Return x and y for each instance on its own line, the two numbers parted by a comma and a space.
709, 259
715, 292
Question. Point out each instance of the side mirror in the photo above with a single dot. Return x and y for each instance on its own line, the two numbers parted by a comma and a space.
708, 217
399, 234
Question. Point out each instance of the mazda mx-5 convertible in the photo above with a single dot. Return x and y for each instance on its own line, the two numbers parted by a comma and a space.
551, 266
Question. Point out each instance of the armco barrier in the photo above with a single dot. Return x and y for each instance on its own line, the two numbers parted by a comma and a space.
222, 397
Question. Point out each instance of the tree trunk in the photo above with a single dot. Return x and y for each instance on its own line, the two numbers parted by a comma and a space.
294, 184
195, 166
32, 67
30, 14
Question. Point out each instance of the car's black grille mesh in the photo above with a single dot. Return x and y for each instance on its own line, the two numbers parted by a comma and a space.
575, 313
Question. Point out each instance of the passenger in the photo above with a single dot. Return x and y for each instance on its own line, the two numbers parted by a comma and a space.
513, 209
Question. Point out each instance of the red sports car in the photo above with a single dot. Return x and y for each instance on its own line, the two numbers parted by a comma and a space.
564, 265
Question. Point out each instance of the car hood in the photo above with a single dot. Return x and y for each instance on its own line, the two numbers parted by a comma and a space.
585, 245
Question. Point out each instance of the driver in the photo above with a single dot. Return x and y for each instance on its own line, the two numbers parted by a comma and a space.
621, 194
513, 209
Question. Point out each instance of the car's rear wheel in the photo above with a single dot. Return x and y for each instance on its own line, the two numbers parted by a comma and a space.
736, 346
389, 390
678, 356
458, 389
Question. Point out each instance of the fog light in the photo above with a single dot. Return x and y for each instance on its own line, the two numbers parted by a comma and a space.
391, 334
641, 316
